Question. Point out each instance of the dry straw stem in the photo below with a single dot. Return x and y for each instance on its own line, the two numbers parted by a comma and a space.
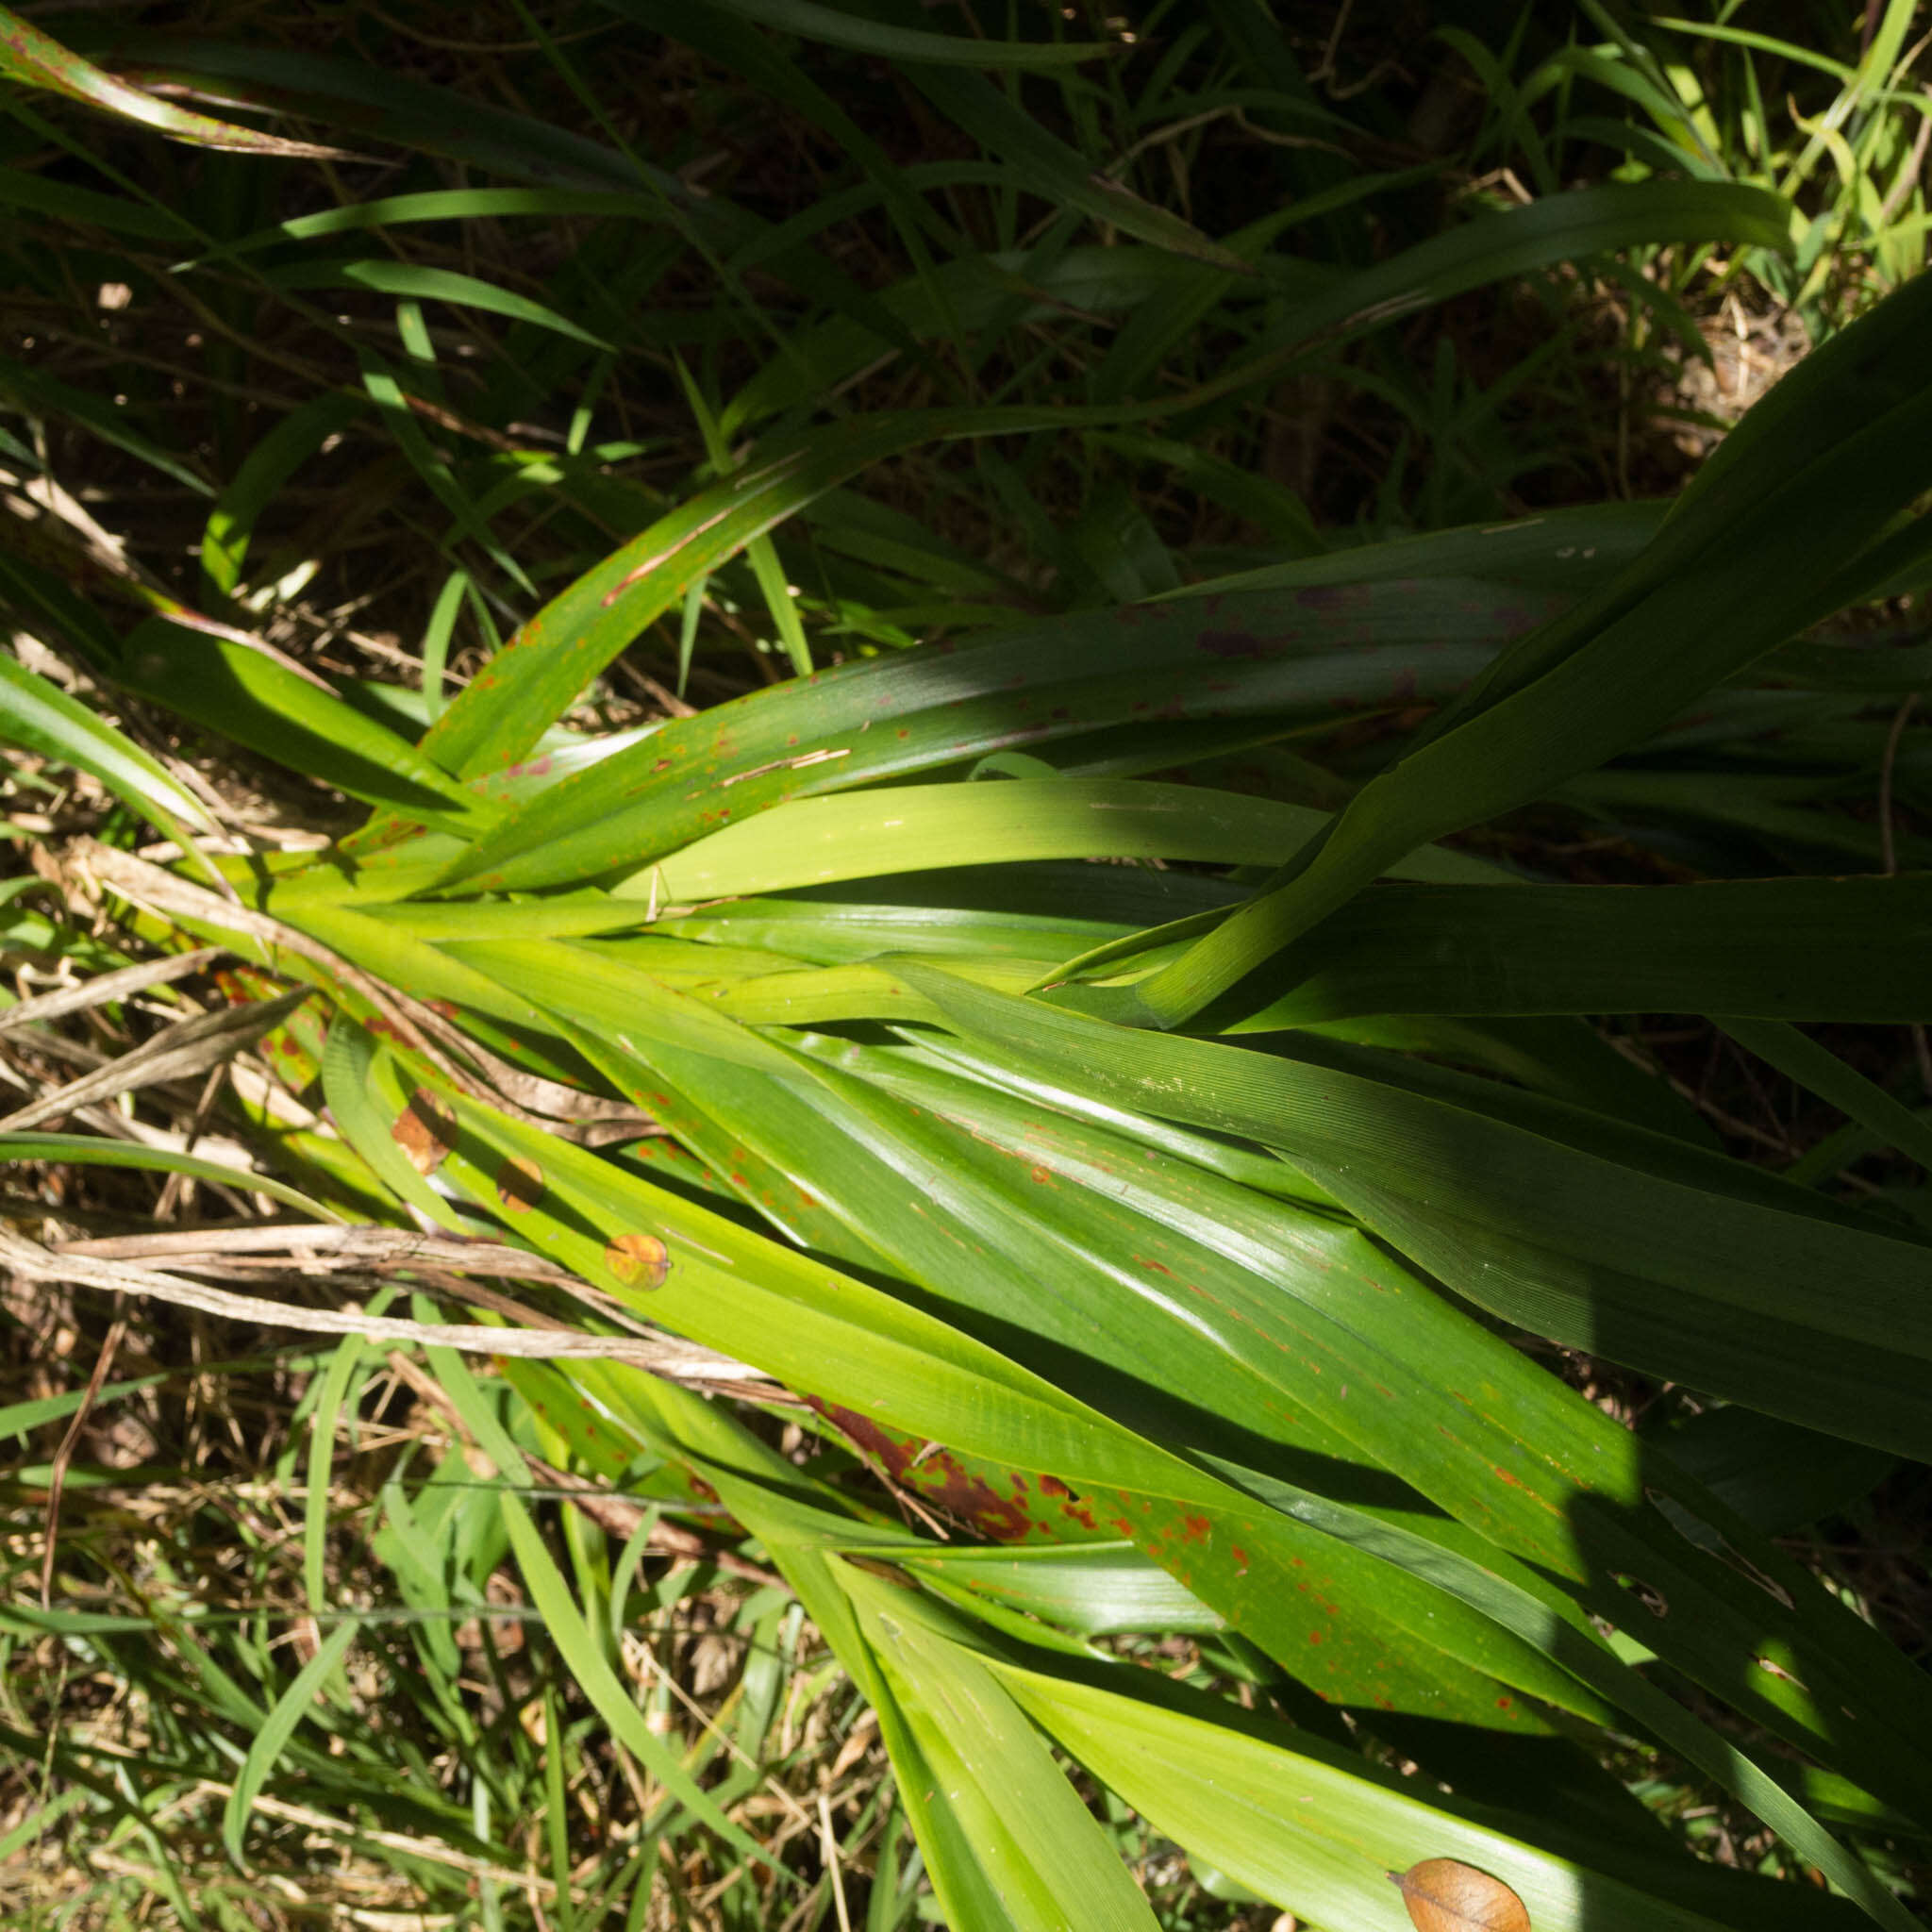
319, 1247
675, 1361
189, 1046
118, 985
529, 1098
148, 886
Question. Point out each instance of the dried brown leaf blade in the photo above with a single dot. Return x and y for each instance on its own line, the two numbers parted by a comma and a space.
686, 1361
188, 1047
426, 1130
104, 986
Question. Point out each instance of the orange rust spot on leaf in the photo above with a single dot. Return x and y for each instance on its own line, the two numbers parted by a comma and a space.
639, 1261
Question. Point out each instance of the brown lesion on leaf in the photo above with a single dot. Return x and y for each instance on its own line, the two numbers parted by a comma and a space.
639, 1261
519, 1184
426, 1130
1447, 1895
939, 1480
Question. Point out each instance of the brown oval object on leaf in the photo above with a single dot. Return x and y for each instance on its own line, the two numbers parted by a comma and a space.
425, 1131
519, 1184
639, 1261
1447, 1895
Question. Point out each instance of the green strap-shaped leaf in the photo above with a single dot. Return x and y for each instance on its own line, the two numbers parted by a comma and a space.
666, 1260
1803, 1059
1057, 172
267, 467
1755, 552
38, 716
1142, 671
39, 393
334, 1385
810, 21
417, 283
89, 1150
89, 208
1042, 1849
918, 828
1526, 1225
556, 655
1314, 1833
250, 697
38, 59
817, 1329
1848, 949
806, 1542
502, 712
940, 1196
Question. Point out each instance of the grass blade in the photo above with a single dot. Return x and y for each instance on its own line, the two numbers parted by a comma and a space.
38, 715
38, 59
294, 719
271, 1739
413, 282
809, 21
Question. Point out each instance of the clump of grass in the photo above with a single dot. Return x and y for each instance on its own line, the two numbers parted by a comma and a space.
853, 1516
